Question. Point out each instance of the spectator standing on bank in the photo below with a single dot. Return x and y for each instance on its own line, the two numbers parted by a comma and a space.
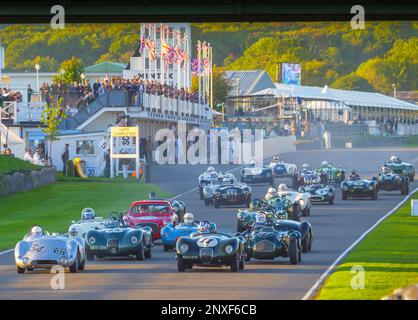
65, 155
327, 139
28, 155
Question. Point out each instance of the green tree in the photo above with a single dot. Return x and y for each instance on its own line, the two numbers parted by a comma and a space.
51, 118
352, 81
73, 69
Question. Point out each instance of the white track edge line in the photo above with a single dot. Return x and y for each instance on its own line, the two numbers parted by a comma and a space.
316, 285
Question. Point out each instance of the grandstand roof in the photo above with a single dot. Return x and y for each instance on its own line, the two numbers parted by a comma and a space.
106, 66
246, 82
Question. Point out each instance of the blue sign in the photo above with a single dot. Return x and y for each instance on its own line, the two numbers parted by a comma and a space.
291, 73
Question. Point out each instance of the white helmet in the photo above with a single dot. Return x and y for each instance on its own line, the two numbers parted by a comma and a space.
36, 231
252, 163
393, 158
276, 159
188, 218
305, 166
260, 218
325, 163
272, 191
88, 214
282, 187
210, 169
175, 219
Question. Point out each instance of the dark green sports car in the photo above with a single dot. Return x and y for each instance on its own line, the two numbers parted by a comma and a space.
117, 239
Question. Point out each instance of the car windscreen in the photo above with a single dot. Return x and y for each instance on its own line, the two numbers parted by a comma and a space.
150, 209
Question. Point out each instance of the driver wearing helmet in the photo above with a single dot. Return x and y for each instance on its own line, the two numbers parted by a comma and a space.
325, 164
305, 167
188, 219
252, 164
394, 159
271, 193
226, 181
354, 175
88, 214
152, 195
282, 187
385, 169
210, 169
254, 206
174, 220
275, 159
35, 232
203, 227
212, 227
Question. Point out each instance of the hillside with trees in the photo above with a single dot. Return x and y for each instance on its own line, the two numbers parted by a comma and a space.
373, 59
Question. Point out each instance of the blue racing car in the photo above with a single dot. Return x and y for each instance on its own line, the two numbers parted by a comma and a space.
171, 232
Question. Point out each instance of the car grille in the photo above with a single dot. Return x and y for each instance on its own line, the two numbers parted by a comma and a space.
152, 225
232, 194
264, 246
398, 171
112, 243
206, 255
44, 262
317, 198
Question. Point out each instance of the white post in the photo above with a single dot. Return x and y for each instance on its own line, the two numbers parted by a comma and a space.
211, 79
161, 58
198, 69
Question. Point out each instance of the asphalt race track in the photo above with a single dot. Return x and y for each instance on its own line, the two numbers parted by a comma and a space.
335, 228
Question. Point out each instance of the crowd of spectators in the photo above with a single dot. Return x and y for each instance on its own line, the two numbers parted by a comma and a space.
9, 95
80, 94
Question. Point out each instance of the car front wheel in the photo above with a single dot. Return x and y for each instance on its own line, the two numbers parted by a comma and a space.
293, 251
20, 270
234, 263
181, 265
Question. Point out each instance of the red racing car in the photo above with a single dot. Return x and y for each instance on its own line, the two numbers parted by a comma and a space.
153, 213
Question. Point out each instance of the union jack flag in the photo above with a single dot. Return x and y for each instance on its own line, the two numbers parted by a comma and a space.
150, 45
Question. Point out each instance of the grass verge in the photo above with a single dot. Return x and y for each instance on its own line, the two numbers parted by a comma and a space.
11, 164
54, 206
388, 255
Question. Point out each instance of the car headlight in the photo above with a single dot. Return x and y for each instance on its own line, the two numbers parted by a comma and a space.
25, 260
404, 171
165, 234
345, 188
228, 249
134, 239
184, 247
92, 240
217, 193
371, 187
63, 261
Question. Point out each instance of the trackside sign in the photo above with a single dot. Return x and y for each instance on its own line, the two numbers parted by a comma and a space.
414, 208
124, 131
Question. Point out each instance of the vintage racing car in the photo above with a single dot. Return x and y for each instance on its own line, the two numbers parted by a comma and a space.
282, 169
171, 232
301, 197
154, 214
255, 174
401, 167
205, 179
40, 250
355, 187
389, 181
271, 238
246, 217
226, 193
283, 205
118, 239
335, 174
87, 222
210, 248
319, 192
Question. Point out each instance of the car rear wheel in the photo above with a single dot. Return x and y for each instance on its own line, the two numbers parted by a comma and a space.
242, 263
411, 177
140, 252
167, 248
331, 201
216, 203
306, 212
90, 255
374, 195
148, 253
20, 270
305, 243
296, 213
293, 250
181, 265
234, 263
74, 267
344, 195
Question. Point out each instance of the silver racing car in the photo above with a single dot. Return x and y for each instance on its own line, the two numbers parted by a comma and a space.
40, 250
